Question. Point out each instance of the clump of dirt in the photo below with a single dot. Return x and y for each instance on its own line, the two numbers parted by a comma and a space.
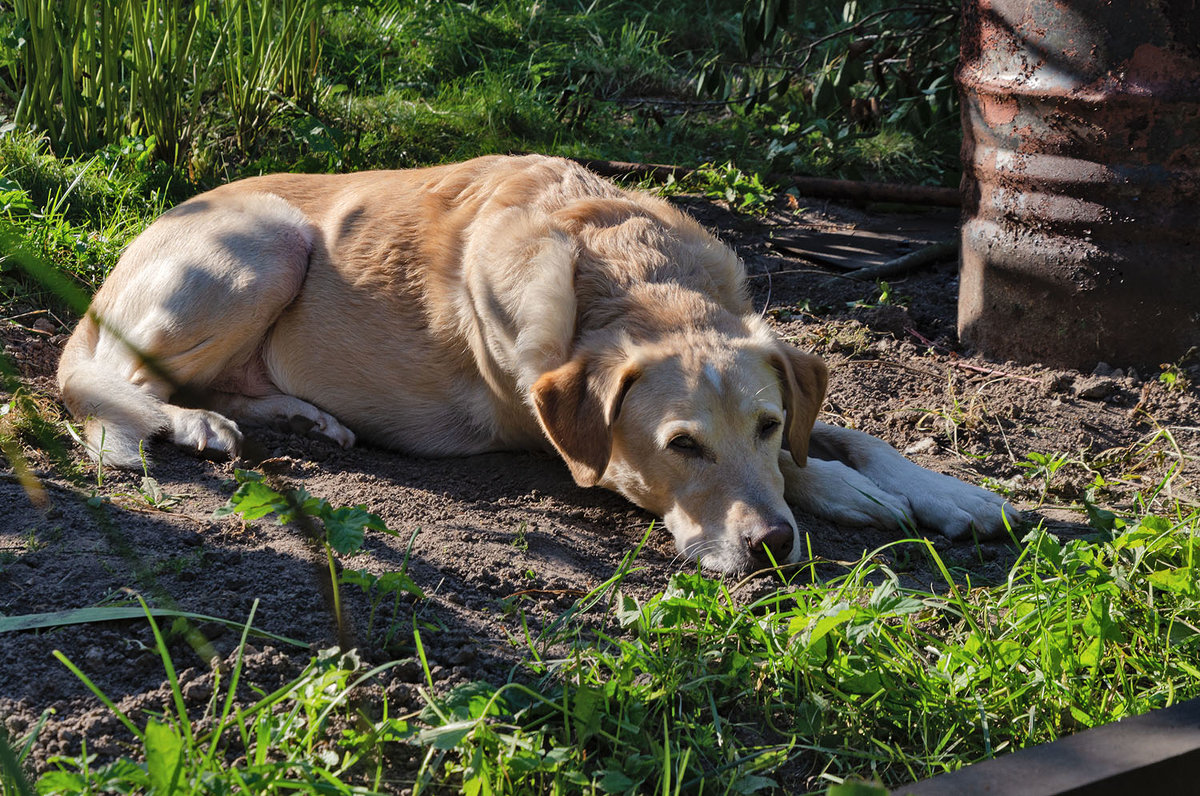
498, 540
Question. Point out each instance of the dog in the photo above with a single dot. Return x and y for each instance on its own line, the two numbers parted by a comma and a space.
505, 303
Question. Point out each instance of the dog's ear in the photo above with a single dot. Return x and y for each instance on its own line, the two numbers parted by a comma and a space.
804, 378
577, 408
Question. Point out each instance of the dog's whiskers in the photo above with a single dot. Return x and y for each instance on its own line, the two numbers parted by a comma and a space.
767, 302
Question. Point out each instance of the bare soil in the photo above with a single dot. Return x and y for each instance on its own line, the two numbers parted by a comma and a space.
500, 532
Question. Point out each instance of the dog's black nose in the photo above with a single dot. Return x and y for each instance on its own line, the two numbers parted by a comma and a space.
776, 538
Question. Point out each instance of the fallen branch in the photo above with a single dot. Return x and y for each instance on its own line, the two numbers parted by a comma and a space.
956, 362
909, 262
992, 372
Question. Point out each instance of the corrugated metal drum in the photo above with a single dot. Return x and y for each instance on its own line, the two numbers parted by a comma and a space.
1081, 153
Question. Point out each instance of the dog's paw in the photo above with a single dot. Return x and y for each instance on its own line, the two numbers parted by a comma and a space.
328, 426
308, 419
831, 490
957, 509
204, 431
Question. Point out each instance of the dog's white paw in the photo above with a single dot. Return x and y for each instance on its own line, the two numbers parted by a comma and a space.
327, 425
304, 418
201, 430
957, 509
831, 490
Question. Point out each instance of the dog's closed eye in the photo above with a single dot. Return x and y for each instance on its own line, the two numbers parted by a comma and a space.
686, 445
767, 427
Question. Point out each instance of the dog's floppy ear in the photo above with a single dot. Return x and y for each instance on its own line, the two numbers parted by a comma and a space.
804, 378
577, 408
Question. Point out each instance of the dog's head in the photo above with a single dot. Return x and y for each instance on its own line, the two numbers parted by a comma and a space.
691, 428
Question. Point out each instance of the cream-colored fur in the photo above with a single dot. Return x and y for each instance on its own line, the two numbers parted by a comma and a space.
498, 304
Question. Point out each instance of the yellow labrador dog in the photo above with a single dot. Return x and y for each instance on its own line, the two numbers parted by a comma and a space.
501, 304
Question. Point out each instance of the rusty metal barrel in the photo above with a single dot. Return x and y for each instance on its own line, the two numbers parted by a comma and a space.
1081, 186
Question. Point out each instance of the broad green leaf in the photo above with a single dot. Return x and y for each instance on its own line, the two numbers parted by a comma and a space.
61, 782
1099, 621
345, 528
1102, 519
396, 581
253, 500
615, 781
358, 577
833, 618
1177, 581
83, 616
753, 783
164, 756
448, 736
1092, 653
867, 682
586, 712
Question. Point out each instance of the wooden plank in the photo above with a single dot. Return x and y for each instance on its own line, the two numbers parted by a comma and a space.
846, 249
1155, 753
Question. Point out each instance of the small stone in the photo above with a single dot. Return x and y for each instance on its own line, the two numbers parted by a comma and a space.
1102, 369
1053, 382
1095, 388
927, 445
197, 691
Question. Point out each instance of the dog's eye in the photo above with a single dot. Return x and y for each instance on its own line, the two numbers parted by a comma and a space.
767, 427
682, 443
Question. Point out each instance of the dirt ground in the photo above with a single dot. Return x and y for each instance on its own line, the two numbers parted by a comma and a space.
498, 531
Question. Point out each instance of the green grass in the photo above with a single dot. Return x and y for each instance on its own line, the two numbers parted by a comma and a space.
74, 214
853, 675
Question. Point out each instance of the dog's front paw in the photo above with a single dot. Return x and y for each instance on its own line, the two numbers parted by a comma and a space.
957, 509
831, 490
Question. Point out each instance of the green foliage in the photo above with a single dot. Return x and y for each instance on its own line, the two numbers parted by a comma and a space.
693, 690
86, 74
280, 741
12, 760
884, 296
342, 531
854, 88
344, 527
270, 50
854, 675
743, 192
1043, 466
216, 90
72, 218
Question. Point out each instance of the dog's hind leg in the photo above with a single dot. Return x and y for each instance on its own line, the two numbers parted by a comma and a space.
190, 302
282, 408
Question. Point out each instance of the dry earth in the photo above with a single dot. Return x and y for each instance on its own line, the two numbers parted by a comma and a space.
498, 532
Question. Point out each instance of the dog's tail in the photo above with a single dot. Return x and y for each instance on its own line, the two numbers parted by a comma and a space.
117, 415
